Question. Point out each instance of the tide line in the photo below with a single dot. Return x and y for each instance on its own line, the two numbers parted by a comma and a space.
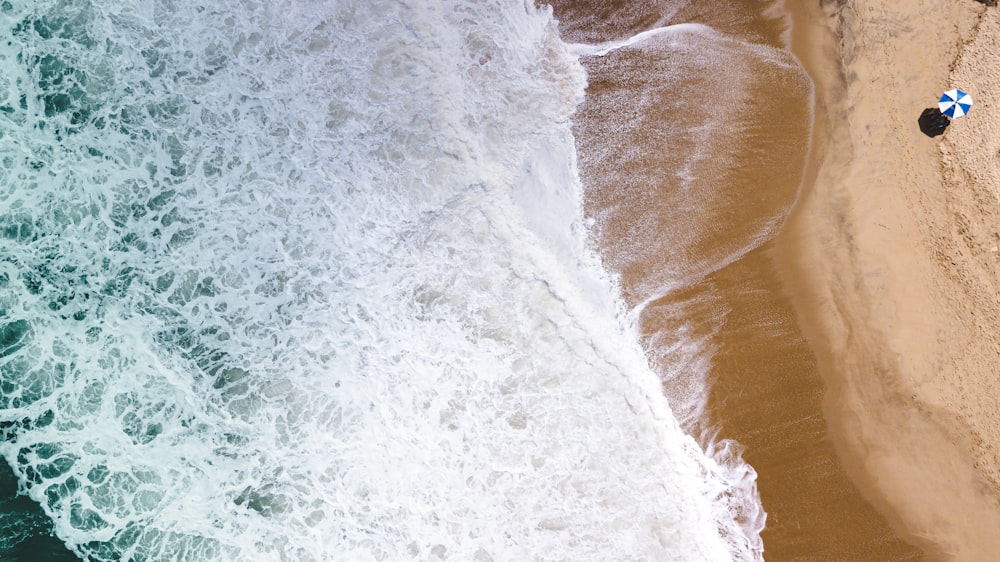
601, 49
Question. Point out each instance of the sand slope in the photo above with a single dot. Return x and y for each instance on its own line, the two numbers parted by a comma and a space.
895, 275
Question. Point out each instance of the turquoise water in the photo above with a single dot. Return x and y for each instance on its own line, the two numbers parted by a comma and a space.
25, 531
299, 281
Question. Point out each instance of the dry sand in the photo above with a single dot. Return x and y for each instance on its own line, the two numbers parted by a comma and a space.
891, 260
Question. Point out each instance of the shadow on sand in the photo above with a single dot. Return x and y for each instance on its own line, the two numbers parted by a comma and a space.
933, 122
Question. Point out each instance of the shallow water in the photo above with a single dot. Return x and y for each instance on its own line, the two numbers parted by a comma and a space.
693, 138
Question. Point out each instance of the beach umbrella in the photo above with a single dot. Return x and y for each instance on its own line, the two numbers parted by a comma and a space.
955, 103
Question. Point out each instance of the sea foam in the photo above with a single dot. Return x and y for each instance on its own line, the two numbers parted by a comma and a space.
299, 281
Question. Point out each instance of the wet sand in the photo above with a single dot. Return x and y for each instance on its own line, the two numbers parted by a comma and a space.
837, 351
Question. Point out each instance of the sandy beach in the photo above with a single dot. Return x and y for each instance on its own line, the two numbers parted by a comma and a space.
853, 352
891, 259
697, 257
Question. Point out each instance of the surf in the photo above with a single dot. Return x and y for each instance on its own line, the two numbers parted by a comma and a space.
289, 282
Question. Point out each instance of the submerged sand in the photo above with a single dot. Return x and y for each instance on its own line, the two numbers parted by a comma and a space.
764, 390
891, 259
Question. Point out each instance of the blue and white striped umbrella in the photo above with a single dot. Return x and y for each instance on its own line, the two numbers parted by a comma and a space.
955, 103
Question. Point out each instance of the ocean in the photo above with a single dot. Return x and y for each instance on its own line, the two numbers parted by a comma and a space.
314, 281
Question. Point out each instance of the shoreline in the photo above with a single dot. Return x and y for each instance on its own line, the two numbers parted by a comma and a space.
760, 381
822, 348
872, 281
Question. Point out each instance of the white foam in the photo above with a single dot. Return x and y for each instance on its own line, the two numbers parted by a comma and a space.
585, 50
275, 289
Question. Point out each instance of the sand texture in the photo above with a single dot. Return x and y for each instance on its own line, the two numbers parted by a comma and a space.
891, 259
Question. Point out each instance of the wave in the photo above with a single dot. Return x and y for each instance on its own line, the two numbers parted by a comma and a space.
309, 282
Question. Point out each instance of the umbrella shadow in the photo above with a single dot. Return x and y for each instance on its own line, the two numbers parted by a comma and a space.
932, 122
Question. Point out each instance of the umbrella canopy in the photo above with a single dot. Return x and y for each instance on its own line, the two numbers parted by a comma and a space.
955, 103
